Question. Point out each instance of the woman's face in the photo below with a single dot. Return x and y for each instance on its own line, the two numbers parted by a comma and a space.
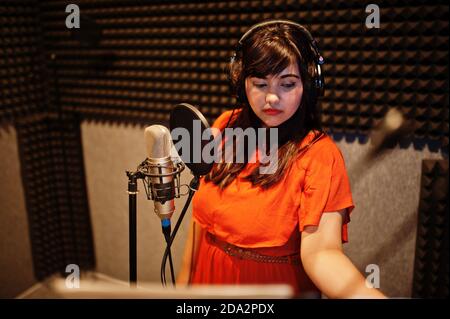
276, 98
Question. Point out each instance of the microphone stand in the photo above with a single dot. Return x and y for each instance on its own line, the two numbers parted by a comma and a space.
132, 200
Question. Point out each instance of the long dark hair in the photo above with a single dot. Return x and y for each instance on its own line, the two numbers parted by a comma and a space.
268, 50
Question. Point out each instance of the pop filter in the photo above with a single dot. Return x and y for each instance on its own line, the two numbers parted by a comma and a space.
187, 125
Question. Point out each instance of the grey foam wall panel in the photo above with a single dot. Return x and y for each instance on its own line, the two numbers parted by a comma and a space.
16, 264
383, 224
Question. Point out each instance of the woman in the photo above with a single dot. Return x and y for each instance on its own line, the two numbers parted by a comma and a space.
288, 226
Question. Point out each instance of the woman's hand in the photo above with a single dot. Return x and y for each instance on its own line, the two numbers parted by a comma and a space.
327, 265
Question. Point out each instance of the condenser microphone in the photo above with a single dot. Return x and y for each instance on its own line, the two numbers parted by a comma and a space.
161, 168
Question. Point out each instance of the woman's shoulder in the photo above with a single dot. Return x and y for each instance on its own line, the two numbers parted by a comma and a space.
319, 147
323, 142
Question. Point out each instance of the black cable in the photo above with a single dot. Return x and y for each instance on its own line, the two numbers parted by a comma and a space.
192, 189
163, 276
172, 273
166, 228
169, 244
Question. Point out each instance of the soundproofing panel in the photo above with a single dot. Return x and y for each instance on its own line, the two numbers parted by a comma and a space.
22, 87
403, 64
134, 60
431, 268
49, 143
54, 183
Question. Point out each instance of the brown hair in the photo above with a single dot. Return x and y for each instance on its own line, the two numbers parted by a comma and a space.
268, 51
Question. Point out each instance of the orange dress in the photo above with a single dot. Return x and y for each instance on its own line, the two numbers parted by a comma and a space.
269, 222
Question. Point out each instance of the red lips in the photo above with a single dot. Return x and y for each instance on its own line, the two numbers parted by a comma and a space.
271, 112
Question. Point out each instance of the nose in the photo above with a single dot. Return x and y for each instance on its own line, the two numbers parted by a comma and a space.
272, 98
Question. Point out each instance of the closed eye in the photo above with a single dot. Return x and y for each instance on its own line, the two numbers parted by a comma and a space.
288, 85
259, 85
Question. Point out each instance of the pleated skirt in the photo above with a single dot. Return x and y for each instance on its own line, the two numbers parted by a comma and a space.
214, 266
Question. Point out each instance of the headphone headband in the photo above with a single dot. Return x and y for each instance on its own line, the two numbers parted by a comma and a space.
269, 22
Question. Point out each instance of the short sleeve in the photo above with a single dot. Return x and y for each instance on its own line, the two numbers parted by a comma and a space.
326, 186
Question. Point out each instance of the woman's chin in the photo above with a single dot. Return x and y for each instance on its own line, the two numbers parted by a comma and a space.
272, 123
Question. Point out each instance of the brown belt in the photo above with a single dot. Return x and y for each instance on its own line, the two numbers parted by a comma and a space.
248, 253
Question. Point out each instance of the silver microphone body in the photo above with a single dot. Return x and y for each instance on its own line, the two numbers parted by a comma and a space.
159, 144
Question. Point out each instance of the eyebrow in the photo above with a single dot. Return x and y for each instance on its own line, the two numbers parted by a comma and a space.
282, 77
289, 75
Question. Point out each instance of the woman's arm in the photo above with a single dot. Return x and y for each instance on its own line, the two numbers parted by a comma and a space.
327, 265
191, 244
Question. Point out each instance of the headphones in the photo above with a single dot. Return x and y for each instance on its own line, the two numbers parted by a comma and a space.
317, 77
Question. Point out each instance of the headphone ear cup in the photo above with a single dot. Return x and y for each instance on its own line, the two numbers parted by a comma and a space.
319, 82
320, 88
319, 78
234, 81
241, 96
